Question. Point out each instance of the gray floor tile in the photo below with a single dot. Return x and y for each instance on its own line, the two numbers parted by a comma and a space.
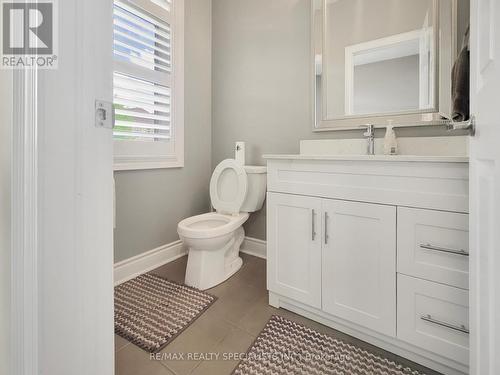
229, 350
202, 336
236, 302
174, 271
120, 343
132, 360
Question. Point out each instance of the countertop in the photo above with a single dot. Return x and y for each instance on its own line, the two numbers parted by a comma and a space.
394, 158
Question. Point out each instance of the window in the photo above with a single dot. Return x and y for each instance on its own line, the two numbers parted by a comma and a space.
148, 84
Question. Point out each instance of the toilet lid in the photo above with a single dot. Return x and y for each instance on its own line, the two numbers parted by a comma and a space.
228, 187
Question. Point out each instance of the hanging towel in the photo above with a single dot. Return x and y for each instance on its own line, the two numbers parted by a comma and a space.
460, 82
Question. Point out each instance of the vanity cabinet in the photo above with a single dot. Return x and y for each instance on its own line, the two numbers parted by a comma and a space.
377, 249
336, 255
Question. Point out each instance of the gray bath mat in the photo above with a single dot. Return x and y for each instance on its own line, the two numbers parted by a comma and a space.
151, 311
286, 347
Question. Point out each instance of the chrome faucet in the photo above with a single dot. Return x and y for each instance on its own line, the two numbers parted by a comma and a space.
370, 134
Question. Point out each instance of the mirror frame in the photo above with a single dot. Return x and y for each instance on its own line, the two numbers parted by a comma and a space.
425, 117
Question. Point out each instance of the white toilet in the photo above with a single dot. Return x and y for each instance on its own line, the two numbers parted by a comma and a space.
214, 238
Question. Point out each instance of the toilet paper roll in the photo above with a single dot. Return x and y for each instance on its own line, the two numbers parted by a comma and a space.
239, 153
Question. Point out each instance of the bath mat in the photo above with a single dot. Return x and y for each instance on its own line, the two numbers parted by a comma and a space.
286, 347
151, 311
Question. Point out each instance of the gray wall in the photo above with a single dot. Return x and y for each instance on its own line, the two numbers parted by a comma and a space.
5, 181
150, 203
261, 89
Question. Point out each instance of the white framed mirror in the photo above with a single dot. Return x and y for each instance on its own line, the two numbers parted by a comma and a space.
383, 61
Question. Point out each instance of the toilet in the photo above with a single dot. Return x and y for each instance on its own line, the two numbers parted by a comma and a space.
214, 238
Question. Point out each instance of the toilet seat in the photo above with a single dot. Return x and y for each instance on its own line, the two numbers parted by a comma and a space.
228, 203
210, 225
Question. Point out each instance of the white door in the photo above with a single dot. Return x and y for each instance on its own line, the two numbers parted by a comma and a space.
359, 263
485, 189
294, 247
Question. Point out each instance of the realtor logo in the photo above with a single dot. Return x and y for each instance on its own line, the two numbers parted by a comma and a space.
29, 32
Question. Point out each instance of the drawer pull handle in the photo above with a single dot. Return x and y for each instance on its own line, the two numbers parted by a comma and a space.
430, 319
444, 249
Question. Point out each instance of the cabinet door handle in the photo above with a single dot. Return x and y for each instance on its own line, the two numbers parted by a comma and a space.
444, 249
326, 228
459, 328
313, 229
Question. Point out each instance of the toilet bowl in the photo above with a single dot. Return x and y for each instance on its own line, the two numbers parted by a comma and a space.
214, 238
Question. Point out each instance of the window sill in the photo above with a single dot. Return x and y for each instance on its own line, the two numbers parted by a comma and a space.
138, 163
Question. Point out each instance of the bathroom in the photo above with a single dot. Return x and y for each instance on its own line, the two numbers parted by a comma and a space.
298, 187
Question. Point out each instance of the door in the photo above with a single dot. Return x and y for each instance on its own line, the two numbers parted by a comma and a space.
485, 189
359, 263
294, 247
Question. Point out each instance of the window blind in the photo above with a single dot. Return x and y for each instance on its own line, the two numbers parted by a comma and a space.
142, 109
141, 39
167, 4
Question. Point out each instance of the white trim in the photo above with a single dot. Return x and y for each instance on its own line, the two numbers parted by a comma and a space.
132, 267
255, 247
24, 255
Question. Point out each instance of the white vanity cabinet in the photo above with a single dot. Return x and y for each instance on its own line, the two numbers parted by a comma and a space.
322, 246
376, 247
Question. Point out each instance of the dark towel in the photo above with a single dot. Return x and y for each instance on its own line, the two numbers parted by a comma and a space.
460, 83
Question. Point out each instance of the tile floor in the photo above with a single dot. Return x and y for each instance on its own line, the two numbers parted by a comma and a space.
230, 325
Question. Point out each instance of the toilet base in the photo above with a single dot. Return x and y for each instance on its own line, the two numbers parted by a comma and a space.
208, 268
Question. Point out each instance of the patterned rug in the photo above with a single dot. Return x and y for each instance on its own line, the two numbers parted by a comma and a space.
286, 347
151, 311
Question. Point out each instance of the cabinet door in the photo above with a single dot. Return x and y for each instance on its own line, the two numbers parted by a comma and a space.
359, 263
294, 247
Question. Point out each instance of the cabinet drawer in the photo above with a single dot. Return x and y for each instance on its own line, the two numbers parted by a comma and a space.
434, 245
434, 317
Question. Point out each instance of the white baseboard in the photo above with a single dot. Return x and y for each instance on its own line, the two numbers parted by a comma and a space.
254, 246
132, 267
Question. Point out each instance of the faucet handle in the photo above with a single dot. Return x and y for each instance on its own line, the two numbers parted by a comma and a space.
370, 129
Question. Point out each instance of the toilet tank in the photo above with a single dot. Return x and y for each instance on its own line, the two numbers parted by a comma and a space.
257, 186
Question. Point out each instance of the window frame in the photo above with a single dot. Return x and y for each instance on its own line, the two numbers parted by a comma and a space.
133, 154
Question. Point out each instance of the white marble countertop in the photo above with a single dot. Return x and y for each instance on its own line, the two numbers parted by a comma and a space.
395, 158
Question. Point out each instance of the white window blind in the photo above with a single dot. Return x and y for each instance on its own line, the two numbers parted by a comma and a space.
164, 3
142, 109
148, 83
141, 39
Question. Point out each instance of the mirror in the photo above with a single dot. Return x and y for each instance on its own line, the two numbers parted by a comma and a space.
384, 60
